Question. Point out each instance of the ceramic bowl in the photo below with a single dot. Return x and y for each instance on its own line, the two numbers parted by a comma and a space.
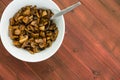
22, 54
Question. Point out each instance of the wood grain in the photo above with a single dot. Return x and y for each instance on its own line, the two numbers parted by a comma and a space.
90, 50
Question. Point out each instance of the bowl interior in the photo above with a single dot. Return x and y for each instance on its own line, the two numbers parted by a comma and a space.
22, 54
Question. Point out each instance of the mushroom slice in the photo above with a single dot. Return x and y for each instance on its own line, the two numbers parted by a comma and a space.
49, 42
16, 43
27, 11
23, 38
44, 13
12, 21
26, 19
42, 34
21, 17
36, 49
38, 40
34, 23
35, 35
17, 32
42, 28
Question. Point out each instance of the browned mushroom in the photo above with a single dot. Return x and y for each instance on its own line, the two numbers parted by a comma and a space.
22, 27
44, 13
36, 49
17, 32
16, 16
20, 17
25, 44
35, 35
12, 21
23, 38
38, 40
27, 11
42, 34
31, 29
42, 28
26, 19
34, 23
49, 42
16, 43
48, 33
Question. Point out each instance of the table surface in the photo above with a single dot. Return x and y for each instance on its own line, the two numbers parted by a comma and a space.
90, 50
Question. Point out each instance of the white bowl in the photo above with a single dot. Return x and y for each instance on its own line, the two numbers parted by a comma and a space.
22, 54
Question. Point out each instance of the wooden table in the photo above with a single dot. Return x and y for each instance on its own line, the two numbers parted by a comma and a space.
90, 50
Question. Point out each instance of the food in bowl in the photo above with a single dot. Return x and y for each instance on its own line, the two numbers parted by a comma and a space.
31, 29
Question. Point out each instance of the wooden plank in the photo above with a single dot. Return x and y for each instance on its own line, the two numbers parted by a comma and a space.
2, 7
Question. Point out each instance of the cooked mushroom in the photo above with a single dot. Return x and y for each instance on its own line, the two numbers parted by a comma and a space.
34, 23
12, 21
16, 16
42, 34
22, 27
32, 44
42, 28
26, 19
21, 17
35, 50
23, 38
31, 29
44, 13
48, 33
27, 11
37, 14
48, 38
49, 42
38, 40
14, 37
25, 44
16, 43
35, 35
17, 32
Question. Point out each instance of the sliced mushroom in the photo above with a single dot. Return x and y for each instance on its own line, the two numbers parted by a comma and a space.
42, 28
42, 34
14, 37
25, 44
27, 11
16, 16
36, 50
10, 31
12, 21
37, 14
38, 40
35, 35
17, 32
48, 38
23, 38
22, 27
44, 40
16, 43
20, 18
32, 44
32, 29
30, 18
31, 51
15, 27
48, 33
34, 23
49, 42
44, 13
26, 19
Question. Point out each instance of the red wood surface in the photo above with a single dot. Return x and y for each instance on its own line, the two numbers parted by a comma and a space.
90, 50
